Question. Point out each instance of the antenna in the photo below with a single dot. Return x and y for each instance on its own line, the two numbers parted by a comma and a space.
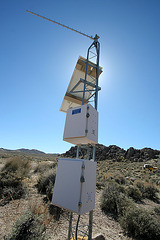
96, 37
95, 45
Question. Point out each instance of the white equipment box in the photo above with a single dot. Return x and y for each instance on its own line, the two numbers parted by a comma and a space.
81, 126
75, 185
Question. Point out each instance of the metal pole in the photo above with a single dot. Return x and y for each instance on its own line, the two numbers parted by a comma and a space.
94, 152
71, 214
70, 226
85, 79
91, 212
97, 46
77, 154
90, 225
97, 74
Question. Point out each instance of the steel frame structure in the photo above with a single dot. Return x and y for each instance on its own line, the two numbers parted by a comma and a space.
95, 45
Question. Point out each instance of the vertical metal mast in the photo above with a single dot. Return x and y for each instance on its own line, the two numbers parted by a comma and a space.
96, 45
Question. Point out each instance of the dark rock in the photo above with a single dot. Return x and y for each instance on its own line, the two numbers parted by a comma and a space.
99, 237
130, 152
115, 153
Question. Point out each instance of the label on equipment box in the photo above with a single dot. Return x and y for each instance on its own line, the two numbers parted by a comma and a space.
76, 111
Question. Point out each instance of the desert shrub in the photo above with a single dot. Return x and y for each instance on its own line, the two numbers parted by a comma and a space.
123, 204
140, 224
29, 226
11, 187
17, 165
46, 183
12, 190
157, 210
151, 192
120, 179
43, 167
11, 177
103, 177
148, 191
100, 183
134, 193
55, 211
113, 199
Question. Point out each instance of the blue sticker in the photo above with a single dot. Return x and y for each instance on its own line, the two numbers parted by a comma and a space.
76, 111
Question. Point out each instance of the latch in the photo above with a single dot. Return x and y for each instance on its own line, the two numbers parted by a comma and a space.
83, 166
82, 179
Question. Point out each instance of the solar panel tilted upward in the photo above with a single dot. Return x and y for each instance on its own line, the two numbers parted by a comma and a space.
74, 93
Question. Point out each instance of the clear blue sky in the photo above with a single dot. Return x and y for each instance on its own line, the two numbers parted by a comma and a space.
37, 59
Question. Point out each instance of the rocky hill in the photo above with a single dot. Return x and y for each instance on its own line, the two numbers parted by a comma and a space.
116, 153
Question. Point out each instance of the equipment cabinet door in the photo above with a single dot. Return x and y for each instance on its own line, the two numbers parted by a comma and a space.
66, 191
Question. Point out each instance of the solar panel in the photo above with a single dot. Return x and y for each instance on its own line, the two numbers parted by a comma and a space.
74, 93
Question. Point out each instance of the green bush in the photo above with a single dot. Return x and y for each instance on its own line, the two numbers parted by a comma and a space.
157, 210
120, 179
11, 177
46, 183
113, 199
151, 193
140, 224
28, 227
43, 167
134, 193
55, 211
148, 191
17, 165
11, 187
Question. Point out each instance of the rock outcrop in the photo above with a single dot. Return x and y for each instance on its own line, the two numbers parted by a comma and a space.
115, 153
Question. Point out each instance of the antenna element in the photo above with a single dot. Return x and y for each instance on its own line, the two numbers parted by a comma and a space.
96, 37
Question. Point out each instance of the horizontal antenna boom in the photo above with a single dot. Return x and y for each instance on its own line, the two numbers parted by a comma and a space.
61, 24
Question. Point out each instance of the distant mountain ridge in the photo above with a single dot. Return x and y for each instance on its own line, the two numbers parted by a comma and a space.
102, 153
24, 150
32, 151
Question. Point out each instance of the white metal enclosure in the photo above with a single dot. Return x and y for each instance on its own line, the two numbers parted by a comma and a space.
81, 126
75, 185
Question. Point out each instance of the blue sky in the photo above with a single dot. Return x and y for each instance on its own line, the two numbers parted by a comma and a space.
37, 59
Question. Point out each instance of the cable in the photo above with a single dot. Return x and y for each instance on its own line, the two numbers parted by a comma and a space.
77, 225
